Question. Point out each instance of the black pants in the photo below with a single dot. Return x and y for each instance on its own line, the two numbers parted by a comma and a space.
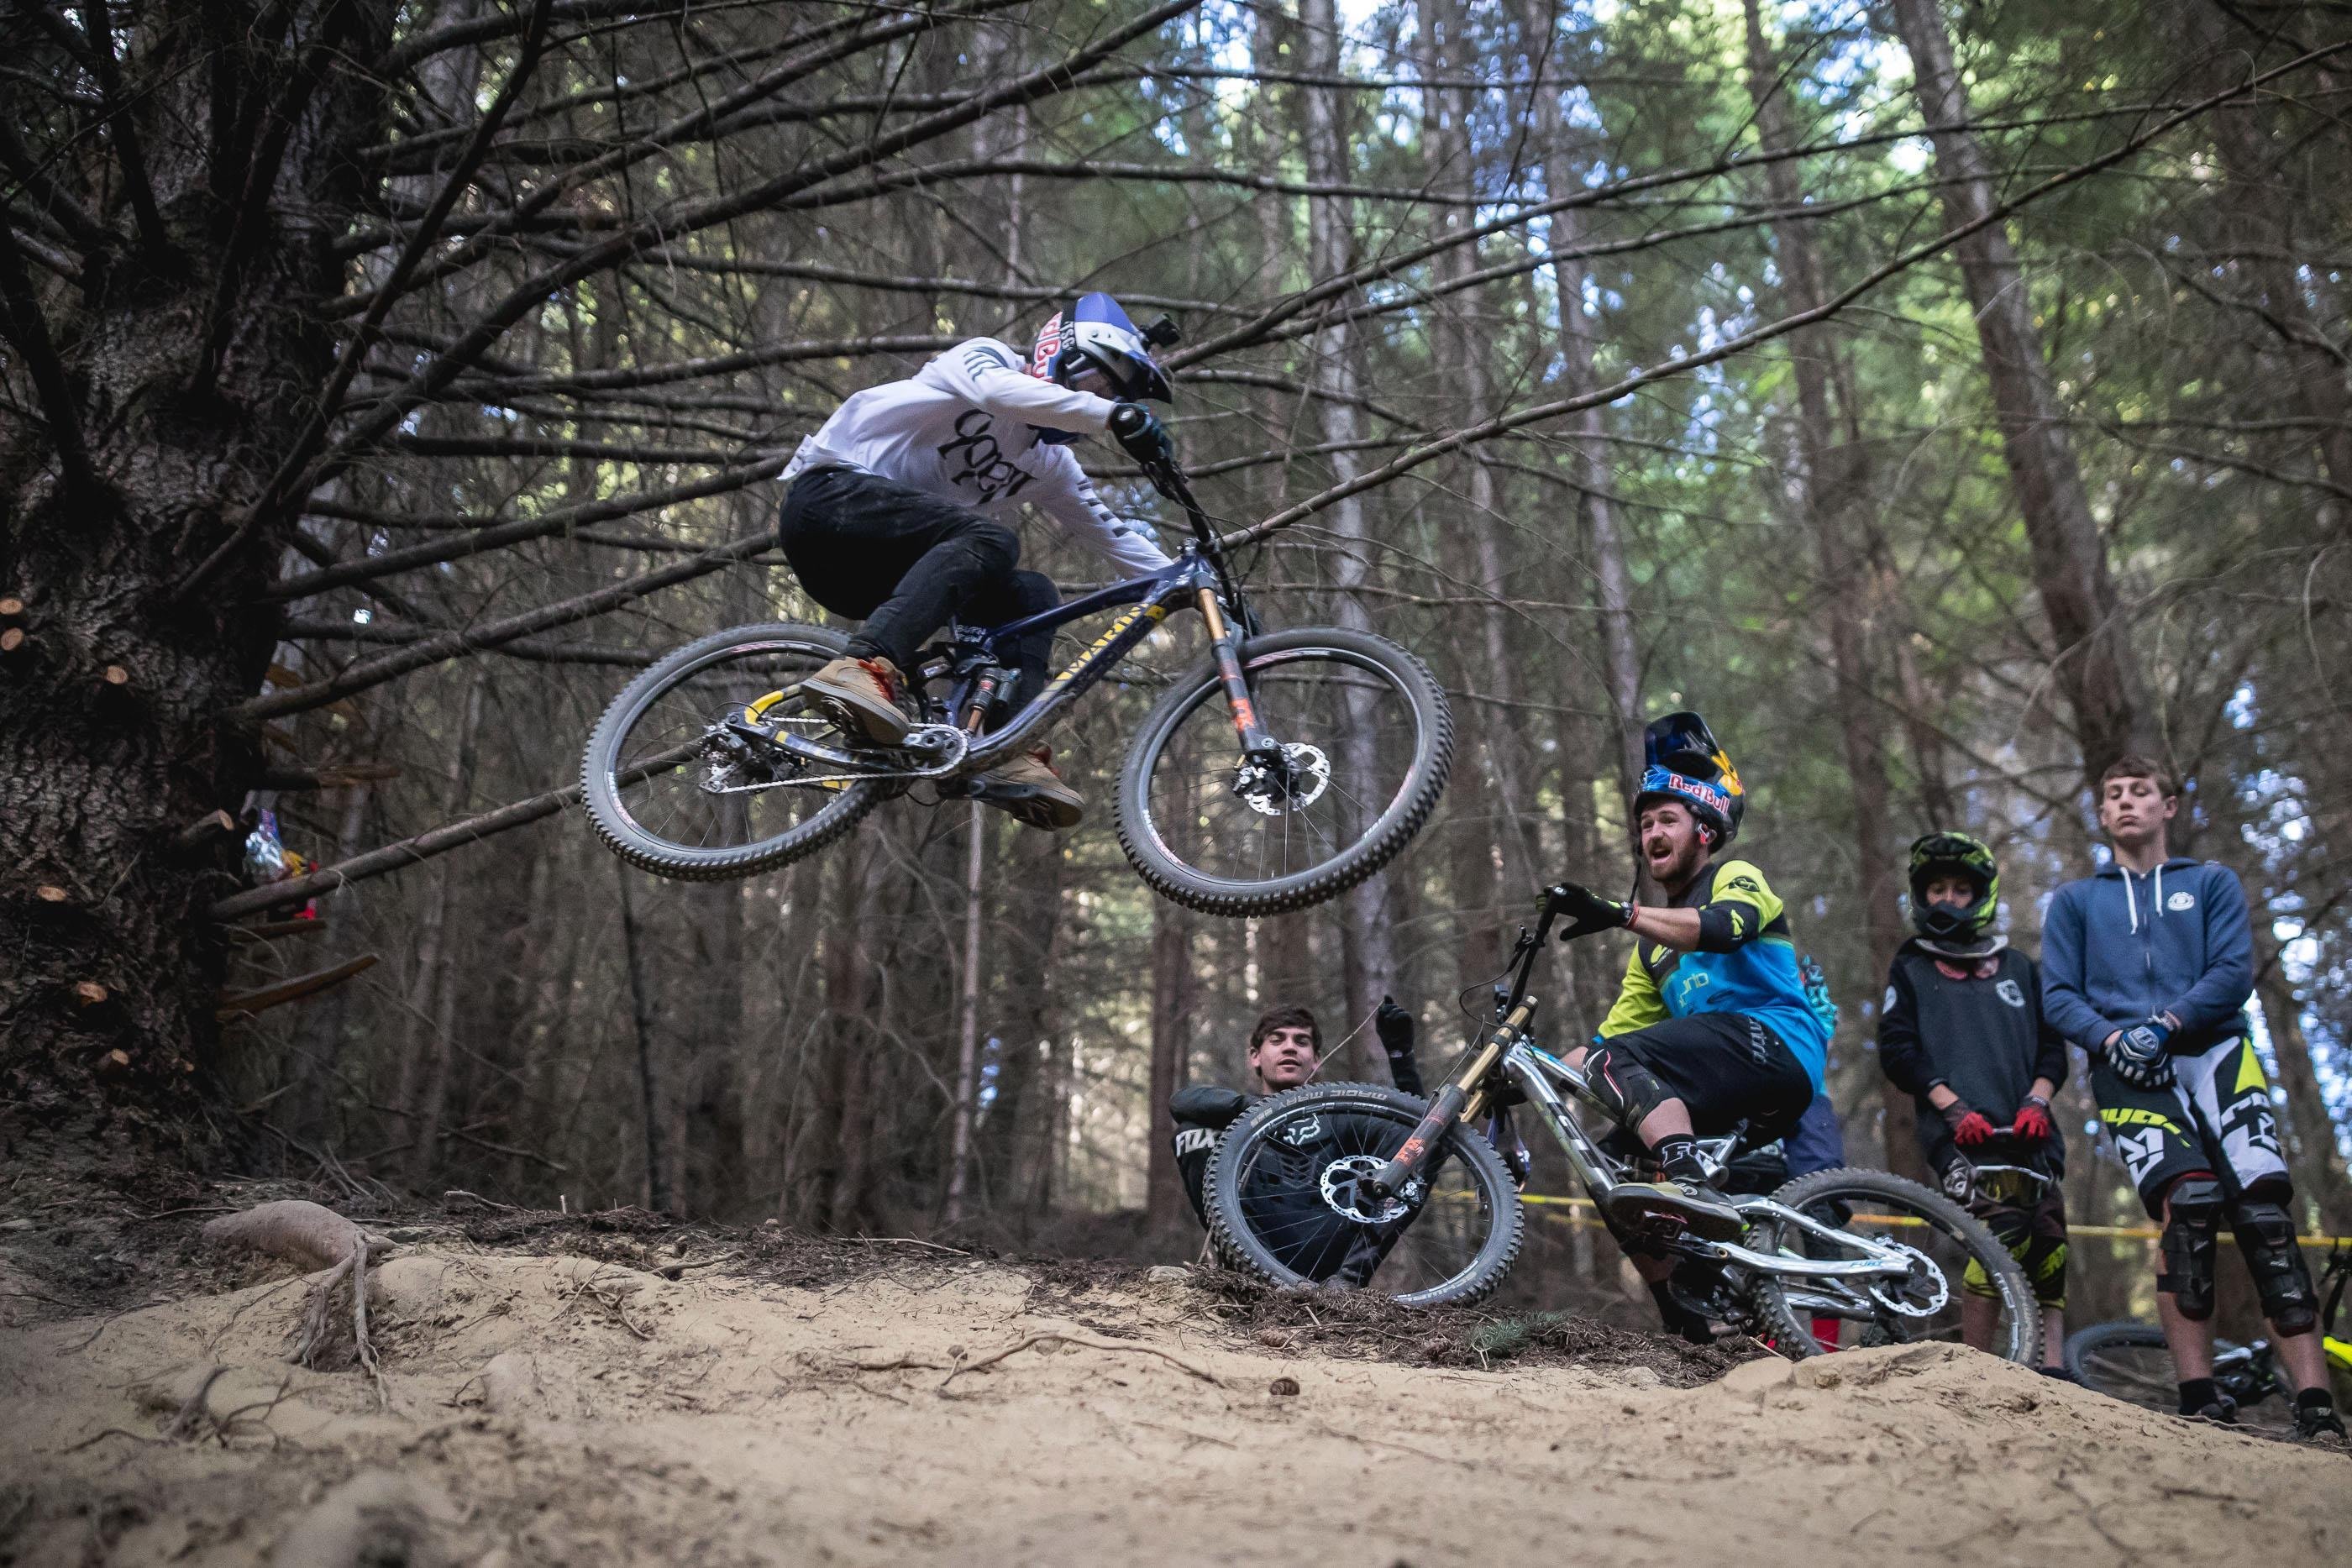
905, 563
1725, 1068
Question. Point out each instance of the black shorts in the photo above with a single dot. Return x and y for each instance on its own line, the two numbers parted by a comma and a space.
2157, 1136
1726, 1069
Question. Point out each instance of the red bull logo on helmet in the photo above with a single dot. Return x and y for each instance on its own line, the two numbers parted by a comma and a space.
1661, 782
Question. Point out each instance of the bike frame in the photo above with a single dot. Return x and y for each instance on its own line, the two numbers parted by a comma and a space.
1199, 578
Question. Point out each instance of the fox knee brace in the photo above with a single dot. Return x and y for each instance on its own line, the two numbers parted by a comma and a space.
2266, 1236
2191, 1238
1626, 1089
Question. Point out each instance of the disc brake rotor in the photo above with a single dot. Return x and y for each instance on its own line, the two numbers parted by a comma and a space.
1268, 796
1342, 1186
1921, 1293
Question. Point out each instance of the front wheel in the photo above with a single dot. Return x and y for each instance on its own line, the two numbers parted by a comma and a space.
1284, 1204
1367, 742
1954, 1260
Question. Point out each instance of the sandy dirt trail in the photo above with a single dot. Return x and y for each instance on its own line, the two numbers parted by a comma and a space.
554, 1409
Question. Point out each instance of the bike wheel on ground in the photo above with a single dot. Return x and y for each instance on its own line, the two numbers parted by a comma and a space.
1950, 1251
672, 791
1282, 1206
2125, 1361
2131, 1362
1370, 741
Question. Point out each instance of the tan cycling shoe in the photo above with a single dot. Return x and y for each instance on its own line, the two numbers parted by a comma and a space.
1032, 792
1651, 1207
867, 696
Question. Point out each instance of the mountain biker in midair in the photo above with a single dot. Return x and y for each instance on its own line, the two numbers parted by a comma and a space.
892, 516
1964, 1034
1712, 1027
2148, 966
1284, 1048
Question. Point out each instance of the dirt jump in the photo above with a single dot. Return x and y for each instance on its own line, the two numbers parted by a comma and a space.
533, 1389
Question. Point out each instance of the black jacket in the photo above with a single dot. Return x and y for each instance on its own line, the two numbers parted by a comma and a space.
1986, 1040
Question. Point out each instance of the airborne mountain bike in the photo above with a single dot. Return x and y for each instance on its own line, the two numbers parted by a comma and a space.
1443, 1220
1284, 769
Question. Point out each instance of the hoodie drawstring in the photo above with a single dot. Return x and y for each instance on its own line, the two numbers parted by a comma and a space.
2131, 903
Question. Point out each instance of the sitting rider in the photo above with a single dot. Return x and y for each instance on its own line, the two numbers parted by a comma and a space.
1307, 1234
1963, 1034
1712, 1028
891, 515
2147, 965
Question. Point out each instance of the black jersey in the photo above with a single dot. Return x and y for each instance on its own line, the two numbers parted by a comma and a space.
1977, 1025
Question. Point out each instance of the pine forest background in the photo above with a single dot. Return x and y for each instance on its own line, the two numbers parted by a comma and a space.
1938, 397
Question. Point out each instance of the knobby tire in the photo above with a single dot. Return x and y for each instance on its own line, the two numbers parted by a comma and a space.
1239, 1249
649, 851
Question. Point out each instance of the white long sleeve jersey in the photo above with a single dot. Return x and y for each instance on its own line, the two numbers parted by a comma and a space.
965, 427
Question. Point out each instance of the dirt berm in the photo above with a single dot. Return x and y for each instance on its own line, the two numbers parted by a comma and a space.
561, 1409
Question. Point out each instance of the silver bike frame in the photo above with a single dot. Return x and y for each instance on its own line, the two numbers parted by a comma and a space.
1541, 1076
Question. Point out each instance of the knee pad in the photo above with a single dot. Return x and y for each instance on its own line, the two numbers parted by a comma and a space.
2191, 1238
1628, 1091
2283, 1281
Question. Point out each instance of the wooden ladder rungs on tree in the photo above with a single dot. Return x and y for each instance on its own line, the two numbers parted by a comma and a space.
244, 1004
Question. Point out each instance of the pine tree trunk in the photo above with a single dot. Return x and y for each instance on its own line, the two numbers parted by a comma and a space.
1830, 478
2093, 656
171, 380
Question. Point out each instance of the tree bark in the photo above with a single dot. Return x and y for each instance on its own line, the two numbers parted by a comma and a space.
170, 376
1587, 431
1830, 478
1370, 944
2092, 652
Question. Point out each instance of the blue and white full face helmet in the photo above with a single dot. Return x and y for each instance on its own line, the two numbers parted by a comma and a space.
1096, 334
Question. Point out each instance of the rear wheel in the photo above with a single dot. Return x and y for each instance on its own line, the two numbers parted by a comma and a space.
672, 790
1366, 739
1283, 1205
1951, 1254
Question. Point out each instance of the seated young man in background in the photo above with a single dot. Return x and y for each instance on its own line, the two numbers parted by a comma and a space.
1285, 1049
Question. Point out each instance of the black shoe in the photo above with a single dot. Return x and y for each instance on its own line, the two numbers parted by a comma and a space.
2315, 1421
2062, 1374
1649, 1208
2222, 1411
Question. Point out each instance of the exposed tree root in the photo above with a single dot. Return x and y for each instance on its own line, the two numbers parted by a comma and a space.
311, 1234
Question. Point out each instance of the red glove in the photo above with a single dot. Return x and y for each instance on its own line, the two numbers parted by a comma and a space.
1971, 1130
2033, 1122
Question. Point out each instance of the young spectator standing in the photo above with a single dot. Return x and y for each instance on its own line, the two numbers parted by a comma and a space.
2148, 966
1963, 1032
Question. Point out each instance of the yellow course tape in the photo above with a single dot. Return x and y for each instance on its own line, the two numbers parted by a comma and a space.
2120, 1232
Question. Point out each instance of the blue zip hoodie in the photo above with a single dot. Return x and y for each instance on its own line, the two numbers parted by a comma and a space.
2120, 947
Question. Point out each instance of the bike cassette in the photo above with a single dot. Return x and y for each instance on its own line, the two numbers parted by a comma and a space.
1269, 795
1920, 1293
1342, 1183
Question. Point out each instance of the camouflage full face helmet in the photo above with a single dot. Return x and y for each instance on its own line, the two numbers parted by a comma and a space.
1954, 854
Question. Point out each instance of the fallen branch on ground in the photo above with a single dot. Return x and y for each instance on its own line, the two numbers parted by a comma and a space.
1034, 1339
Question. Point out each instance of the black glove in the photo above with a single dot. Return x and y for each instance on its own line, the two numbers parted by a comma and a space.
2138, 1055
1394, 1026
1587, 911
1139, 430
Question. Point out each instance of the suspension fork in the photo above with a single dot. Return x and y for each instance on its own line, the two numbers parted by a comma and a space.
1225, 644
1462, 1099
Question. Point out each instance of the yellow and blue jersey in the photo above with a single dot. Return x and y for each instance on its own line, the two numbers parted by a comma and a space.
1746, 963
